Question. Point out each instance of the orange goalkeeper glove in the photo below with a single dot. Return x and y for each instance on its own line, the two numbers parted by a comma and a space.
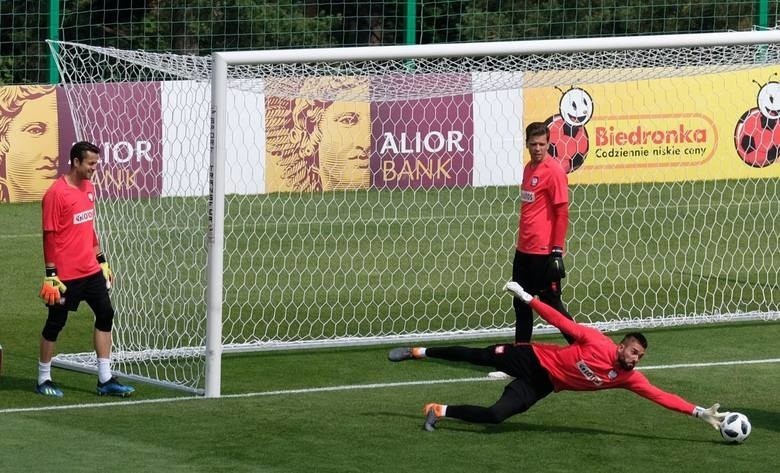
52, 288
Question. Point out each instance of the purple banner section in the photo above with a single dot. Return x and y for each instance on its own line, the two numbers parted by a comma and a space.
125, 122
422, 143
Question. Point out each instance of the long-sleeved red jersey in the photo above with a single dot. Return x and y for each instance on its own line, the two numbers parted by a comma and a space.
590, 363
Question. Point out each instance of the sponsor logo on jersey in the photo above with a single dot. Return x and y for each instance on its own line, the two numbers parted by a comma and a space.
500, 349
527, 196
85, 216
588, 373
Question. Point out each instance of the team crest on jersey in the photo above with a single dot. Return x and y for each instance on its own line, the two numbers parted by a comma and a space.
500, 349
612, 374
90, 197
534, 181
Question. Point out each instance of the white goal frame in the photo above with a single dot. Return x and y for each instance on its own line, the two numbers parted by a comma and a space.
219, 83
225, 71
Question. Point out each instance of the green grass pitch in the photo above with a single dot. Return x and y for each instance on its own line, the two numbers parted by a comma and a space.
345, 410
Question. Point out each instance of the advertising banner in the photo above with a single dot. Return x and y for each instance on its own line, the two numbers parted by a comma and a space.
722, 125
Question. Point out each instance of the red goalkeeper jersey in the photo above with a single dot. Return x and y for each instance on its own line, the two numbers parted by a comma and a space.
544, 212
69, 213
590, 363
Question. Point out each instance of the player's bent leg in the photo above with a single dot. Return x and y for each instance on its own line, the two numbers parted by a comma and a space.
55, 322
513, 401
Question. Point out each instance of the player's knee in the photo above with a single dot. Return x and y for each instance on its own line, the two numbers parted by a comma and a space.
52, 329
104, 320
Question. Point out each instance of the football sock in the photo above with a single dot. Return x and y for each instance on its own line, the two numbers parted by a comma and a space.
44, 372
104, 369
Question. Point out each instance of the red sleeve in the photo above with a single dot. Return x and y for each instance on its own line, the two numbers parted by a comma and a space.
49, 226
563, 323
560, 224
48, 247
639, 384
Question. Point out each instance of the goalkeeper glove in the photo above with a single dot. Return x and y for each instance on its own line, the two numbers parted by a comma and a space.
107, 273
52, 287
517, 291
555, 269
711, 415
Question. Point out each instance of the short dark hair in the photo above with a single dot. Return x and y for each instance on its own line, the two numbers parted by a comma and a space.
636, 336
78, 149
536, 129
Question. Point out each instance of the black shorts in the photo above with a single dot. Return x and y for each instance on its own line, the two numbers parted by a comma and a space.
91, 289
531, 383
530, 271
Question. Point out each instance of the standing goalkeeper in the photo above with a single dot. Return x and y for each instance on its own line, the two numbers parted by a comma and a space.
544, 218
591, 362
76, 269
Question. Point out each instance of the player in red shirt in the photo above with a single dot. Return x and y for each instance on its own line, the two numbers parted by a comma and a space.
544, 218
76, 269
591, 362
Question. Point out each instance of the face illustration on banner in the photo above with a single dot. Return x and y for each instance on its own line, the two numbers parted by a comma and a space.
28, 141
322, 144
343, 150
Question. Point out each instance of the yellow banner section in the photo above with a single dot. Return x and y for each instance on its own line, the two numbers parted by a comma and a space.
670, 129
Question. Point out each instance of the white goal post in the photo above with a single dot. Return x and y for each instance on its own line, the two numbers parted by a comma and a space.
251, 225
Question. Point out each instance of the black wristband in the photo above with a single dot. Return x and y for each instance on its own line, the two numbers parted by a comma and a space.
101, 258
51, 271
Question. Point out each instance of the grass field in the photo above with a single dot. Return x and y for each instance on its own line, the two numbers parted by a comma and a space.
338, 410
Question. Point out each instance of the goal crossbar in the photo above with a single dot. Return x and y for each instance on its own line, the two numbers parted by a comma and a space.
333, 291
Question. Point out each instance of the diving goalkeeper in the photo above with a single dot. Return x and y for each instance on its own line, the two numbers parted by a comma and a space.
592, 362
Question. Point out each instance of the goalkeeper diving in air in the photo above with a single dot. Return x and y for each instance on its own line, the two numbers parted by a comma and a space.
591, 362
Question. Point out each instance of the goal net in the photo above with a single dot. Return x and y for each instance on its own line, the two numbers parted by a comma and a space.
370, 195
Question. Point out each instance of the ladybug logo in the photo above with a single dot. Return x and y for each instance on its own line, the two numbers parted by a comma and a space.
568, 136
757, 134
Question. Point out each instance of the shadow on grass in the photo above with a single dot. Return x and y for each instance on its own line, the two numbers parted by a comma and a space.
513, 427
27, 385
760, 418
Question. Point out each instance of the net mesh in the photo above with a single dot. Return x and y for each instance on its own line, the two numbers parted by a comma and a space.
314, 257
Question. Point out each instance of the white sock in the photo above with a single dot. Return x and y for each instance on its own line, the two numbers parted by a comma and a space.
104, 369
421, 352
44, 372
444, 410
